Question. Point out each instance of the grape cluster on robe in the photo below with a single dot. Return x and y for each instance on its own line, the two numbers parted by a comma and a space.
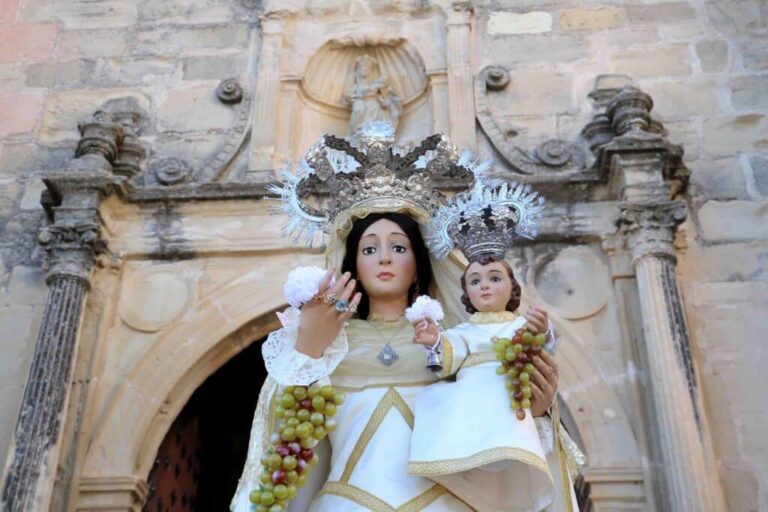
516, 356
305, 417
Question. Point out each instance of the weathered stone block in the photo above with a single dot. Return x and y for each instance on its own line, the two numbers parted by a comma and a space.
214, 68
734, 220
514, 50
185, 11
759, 166
8, 9
136, 71
729, 135
15, 324
684, 98
31, 198
80, 14
508, 23
661, 13
78, 44
9, 200
21, 41
61, 75
19, 160
20, 112
713, 55
193, 109
669, 61
754, 51
175, 40
11, 77
742, 488
27, 286
749, 92
736, 16
534, 92
593, 19
633, 36
731, 262
717, 179
64, 109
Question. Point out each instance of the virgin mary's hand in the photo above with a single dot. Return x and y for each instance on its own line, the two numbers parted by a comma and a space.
544, 383
320, 321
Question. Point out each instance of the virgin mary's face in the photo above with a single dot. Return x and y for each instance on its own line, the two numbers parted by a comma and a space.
386, 264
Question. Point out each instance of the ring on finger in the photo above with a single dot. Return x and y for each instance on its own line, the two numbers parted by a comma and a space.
342, 306
353, 308
320, 297
330, 299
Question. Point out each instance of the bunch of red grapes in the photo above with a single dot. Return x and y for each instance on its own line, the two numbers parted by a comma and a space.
306, 417
516, 356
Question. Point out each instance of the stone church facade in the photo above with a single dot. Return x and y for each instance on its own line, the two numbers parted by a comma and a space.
139, 255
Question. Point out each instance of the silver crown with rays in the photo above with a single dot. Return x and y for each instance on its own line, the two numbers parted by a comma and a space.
379, 174
486, 221
375, 173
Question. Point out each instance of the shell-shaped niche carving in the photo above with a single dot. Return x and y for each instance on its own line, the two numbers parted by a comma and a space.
330, 72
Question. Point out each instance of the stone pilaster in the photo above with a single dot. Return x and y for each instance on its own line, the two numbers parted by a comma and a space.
265, 97
71, 244
649, 173
458, 49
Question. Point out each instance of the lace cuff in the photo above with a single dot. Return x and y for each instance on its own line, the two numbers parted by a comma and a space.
552, 340
546, 433
288, 366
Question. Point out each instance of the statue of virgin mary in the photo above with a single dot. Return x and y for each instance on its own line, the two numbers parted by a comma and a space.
375, 221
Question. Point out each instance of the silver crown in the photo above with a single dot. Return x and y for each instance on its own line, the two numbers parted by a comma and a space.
377, 173
486, 221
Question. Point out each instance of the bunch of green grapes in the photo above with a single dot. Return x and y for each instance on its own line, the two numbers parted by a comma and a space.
516, 356
305, 417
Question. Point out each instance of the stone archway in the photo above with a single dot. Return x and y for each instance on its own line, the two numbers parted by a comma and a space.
155, 389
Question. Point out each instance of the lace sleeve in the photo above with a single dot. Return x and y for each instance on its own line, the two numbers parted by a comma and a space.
290, 367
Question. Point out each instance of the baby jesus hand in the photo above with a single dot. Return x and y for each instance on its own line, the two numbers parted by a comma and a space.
424, 315
426, 332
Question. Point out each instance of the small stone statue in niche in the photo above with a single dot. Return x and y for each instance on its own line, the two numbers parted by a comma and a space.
371, 97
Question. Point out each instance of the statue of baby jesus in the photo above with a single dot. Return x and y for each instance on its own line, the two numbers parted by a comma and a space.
492, 459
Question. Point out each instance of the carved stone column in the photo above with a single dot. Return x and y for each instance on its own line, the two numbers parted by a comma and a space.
649, 172
72, 244
265, 97
460, 76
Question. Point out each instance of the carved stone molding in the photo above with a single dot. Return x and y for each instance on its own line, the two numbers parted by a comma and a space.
230, 91
651, 227
124, 494
553, 157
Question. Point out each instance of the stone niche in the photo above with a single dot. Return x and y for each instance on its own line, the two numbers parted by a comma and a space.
307, 70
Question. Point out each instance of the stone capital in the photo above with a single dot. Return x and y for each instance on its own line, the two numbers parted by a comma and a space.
71, 250
273, 22
651, 227
460, 13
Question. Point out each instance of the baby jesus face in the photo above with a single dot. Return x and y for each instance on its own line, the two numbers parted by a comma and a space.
488, 287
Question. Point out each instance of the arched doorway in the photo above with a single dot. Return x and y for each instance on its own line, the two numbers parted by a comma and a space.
201, 457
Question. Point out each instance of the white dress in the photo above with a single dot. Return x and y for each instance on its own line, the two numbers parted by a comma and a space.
490, 459
365, 465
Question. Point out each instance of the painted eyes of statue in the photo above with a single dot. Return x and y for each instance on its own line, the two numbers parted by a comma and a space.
367, 251
494, 279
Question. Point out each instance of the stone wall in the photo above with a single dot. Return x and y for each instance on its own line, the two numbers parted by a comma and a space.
704, 63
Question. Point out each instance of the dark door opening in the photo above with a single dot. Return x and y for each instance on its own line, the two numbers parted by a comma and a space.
201, 457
